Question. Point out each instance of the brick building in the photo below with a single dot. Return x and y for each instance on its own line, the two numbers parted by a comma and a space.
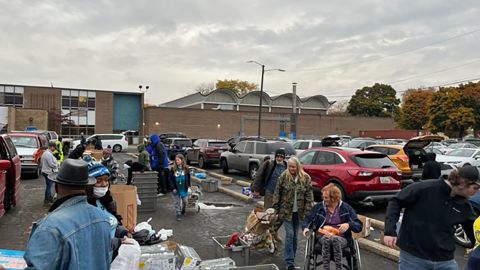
70, 111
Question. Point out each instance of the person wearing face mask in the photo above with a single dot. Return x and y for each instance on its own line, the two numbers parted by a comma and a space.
266, 181
99, 195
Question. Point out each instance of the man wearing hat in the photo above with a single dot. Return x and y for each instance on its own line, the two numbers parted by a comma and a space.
266, 180
74, 234
431, 209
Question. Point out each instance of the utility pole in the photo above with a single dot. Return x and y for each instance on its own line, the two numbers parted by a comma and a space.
293, 116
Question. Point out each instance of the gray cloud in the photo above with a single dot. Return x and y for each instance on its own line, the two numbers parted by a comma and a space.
328, 47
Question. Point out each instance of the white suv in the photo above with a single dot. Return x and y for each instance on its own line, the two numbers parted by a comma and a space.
301, 145
118, 142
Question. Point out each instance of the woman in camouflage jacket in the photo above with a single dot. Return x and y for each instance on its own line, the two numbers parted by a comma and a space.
293, 198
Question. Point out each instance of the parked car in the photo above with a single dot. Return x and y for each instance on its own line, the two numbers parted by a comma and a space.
206, 152
472, 140
247, 156
361, 175
359, 143
177, 146
166, 135
51, 136
396, 154
460, 145
461, 157
29, 146
415, 150
235, 140
118, 142
10, 171
302, 145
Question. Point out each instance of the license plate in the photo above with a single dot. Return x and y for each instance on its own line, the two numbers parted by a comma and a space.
385, 179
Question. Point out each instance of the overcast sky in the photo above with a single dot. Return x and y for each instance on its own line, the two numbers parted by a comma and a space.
327, 47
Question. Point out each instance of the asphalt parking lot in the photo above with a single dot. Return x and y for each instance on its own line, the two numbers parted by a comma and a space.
195, 230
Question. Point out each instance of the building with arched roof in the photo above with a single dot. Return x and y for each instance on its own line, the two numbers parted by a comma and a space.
227, 99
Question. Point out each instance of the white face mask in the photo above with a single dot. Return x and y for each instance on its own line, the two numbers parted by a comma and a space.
99, 192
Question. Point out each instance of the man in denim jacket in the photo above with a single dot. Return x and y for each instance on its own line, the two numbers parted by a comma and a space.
74, 235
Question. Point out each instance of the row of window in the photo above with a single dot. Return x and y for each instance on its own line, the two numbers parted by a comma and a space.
11, 96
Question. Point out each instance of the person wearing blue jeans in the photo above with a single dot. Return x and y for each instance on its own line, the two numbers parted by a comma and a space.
292, 199
431, 209
48, 165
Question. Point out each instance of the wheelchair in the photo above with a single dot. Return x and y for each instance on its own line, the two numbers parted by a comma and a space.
313, 254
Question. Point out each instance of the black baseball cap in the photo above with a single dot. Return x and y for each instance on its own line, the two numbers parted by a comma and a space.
470, 173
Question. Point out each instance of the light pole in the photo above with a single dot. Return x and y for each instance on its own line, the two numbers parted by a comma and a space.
261, 93
143, 108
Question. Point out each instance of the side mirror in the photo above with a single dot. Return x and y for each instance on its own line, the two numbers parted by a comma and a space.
5, 164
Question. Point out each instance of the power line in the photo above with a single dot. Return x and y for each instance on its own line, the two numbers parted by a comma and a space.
387, 56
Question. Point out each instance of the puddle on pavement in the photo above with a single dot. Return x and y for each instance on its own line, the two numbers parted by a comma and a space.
217, 205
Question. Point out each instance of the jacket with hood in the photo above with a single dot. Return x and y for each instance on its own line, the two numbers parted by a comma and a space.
158, 157
144, 156
431, 169
263, 176
316, 218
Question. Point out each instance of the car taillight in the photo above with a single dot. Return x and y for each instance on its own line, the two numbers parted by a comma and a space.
125, 138
403, 158
360, 173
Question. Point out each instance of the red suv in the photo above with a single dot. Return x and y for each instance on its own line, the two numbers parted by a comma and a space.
206, 152
9, 174
361, 175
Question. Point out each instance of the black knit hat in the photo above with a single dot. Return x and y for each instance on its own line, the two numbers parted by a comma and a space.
280, 152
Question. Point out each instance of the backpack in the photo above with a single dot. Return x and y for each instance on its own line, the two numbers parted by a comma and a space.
144, 239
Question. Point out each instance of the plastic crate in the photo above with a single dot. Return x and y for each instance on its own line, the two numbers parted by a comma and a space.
258, 267
239, 254
150, 177
148, 204
209, 185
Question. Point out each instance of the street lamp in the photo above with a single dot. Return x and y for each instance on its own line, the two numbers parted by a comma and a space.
261, 92
143, 108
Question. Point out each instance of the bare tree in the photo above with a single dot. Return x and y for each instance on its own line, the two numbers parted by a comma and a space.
339, 108
205, 88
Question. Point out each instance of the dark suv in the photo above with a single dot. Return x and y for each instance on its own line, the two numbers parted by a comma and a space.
205, 152
247, 156
176, 146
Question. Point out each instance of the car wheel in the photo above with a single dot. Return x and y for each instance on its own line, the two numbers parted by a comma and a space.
37, 173
224, 165
117, 148
201, 162
253, 170
7, 202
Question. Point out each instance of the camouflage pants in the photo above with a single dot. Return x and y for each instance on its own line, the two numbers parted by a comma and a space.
335, 244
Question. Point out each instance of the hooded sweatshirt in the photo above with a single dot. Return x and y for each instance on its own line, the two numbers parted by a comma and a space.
158, 157
144, 156
431, 169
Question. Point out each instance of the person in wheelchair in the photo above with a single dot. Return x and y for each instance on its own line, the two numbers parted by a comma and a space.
333, 221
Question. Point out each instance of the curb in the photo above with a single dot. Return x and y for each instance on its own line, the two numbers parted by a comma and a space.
379, 249
235, 194
242, 183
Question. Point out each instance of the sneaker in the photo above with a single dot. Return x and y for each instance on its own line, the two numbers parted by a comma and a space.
178, 218
160, 194
290, 267
183, 211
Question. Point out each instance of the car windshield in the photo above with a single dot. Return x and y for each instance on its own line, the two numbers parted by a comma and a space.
183, 143
26, 142
373, 161
461, 153
217, 144
270, 148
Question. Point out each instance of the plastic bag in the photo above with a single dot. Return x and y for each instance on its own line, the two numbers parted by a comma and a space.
128, 256
144, 226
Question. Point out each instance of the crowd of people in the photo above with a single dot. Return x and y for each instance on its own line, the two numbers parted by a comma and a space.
84, 231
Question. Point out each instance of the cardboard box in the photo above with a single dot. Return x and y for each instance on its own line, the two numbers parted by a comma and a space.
12, 259
126, 198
